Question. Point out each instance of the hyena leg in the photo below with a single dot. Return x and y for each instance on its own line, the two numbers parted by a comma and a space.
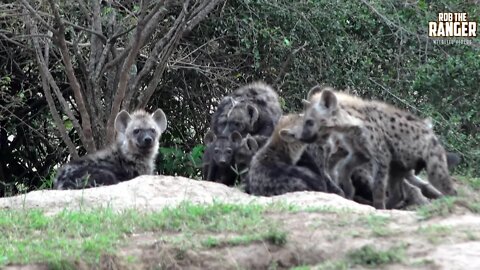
344, 169
205, 170
437, 168
379, 186
395, 192
309, 162
412, 194
395, 185
212, 170
427, 189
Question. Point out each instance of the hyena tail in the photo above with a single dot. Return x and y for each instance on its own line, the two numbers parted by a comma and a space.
437, 168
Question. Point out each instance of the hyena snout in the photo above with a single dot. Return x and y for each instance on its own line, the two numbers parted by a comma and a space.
224, 159
145, 140
307, 136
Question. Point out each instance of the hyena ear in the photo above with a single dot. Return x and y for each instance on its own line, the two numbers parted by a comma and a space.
209, 137
287, 135
328, 100
161, 119
306, 103
231, 100
314, 90
121, 121
236, 137
253, 113
251, 143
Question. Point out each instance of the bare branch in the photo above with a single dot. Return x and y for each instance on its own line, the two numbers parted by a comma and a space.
145, 26
59, 37
201, 12
48, 95
171, 40
283, 69
159, 46
35, 14
95, 33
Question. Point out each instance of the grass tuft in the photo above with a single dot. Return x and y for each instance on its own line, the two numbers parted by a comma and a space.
370, 256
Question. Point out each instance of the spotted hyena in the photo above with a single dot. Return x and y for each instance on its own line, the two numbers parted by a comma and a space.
133, 153
251, 109
282, 165
218, 158
394, 135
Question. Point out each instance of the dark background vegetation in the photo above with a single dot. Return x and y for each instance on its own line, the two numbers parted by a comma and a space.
377, 49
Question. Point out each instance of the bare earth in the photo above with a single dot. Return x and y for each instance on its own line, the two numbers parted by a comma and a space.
318, 239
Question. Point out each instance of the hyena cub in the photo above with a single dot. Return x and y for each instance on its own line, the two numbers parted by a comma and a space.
251, 109
219, 157
394, 136
350, 141
278, 168
133, 153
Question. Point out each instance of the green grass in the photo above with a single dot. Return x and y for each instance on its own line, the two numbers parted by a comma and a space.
378, 224
370, 256
435, 233
439, 207
472, 182
272, 236
29, 236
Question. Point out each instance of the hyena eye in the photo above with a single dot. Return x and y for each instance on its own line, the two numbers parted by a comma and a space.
216, 151
309, 123
229, 151
152, 130
136, 131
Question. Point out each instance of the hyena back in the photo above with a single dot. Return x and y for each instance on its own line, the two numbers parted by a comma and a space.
394, 135
133, 153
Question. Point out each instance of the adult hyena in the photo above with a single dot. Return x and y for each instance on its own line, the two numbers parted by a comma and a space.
133, 153
393, 135
283, 164
251, 109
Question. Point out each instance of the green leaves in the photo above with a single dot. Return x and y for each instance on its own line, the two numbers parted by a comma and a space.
175, 161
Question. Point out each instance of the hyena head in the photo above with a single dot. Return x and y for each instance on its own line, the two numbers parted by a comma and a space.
288, 131
224, 147
244, 154
241, 117
321, 110
139, 132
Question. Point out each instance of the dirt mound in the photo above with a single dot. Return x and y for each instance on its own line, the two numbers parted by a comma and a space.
156, 192
329, 233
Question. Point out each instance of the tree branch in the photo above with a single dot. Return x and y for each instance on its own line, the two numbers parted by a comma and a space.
56, 89
59, 37
145, 27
